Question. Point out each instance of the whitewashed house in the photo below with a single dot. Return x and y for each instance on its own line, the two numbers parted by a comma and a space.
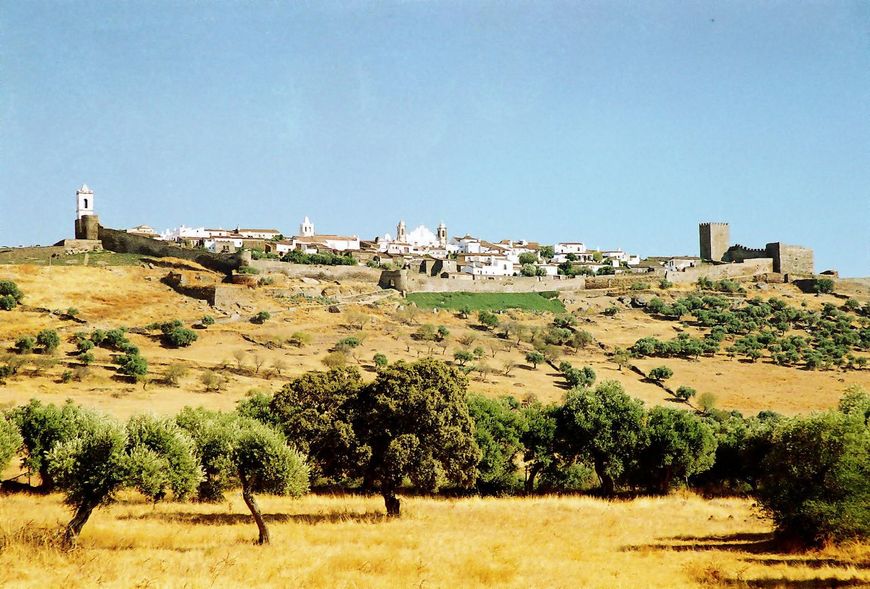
487, 265
257, 233
570, 247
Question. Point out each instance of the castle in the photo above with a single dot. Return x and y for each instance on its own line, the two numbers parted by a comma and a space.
787, 259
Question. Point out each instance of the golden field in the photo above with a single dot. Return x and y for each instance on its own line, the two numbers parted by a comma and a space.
345, 541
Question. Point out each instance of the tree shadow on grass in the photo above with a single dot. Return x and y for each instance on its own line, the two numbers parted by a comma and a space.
779, 583
763, 544
753, 543
229, 519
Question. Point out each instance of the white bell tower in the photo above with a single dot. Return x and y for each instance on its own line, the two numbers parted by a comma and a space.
442, 234
84, 201
306, 229
400, 232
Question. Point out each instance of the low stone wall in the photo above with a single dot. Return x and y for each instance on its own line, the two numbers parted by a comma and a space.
748, 269
127, 243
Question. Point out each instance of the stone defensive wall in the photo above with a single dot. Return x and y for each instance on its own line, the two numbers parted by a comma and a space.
747, 269
458, 283
223, 296
362, 273
127, 243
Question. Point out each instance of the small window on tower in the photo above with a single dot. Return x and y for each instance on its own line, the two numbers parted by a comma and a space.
86, 203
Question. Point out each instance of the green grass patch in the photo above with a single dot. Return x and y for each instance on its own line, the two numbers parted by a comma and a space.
490, 301
43, 257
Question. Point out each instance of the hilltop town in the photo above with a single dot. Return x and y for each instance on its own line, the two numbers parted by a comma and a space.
422, 260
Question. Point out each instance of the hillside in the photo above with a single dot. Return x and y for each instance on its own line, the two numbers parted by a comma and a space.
259, 357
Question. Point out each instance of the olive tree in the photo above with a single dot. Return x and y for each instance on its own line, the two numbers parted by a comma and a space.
89, 468
102, 456
163, 457
42, 426
605, 427
241, 451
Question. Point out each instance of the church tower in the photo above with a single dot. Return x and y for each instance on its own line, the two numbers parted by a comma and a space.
306, 229
84, 201
400, 232
87, 224
442, 235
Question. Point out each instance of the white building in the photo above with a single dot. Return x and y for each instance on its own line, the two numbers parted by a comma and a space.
143, 231
184, 233
468, 245
487, 265
570, 247
257, 233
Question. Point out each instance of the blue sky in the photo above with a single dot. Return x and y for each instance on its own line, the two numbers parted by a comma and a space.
621, 124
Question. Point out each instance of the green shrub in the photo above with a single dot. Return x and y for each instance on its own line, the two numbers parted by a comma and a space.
498, 428
84, 346
487, 319
179, 337
261, 317
380, 360
10, 295
534, 358
815, 481
660, 373
206, 320
299, 339
823, 285
678, 445
48, 340
133, 366
685, 393
24, 344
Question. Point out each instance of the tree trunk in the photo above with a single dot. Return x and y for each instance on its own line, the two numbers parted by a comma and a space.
608, 487
392, 503
74, 527
248, 496
530, 479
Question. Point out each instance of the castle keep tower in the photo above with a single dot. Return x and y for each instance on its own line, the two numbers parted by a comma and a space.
714, 240
87, 223
442, 235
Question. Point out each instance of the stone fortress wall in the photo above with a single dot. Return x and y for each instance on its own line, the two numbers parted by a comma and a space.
127, 243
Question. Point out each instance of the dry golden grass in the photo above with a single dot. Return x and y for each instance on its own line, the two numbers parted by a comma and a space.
344, 541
